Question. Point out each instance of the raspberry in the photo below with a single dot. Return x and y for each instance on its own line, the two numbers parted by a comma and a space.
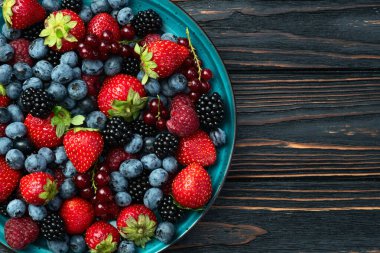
20, 232
183, 122
149, 39
181, 100
21, 51
115, 157
93, 84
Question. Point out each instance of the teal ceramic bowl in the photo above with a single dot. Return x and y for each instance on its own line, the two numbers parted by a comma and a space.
175, 21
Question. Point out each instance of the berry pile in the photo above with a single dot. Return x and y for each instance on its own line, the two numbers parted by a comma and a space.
103, 117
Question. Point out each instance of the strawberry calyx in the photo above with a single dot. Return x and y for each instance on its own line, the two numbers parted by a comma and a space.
139, 231
147, 65
7, 11
57, 29
78, 129
62, 120
129, 109
2, 90
50, 190
105, 246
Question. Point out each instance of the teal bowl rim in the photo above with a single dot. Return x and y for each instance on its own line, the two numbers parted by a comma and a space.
171, 7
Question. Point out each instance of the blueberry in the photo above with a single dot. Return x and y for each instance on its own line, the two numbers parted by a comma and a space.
165, 232
5, 115
15, 159
69, 170
140, 75
5, 74
166, 90
55, 204
169, 36
87, 105
170, 164
16, 208
135, 145
62, 73
10, 33
118, 182
123, 199
50, 5
131, 168
77, 73
67, 189
77, 111
158, 177
6, 53
77, 89
3, 40
16, 113
15, 129
218, 137
118, 4
114, 14
113, 65
60, 155
164, 100
68, 103
98, 6
37, 49
126, 247
152, 87
86, 14
43, 70
57, 90
77, 244
92, 67
177, 82
14, 90
37, 213
148, 144
152, 197
33, 82
96, 119
151, 161
35, 163
59, 246
6, 144
47, 153
22, 71
70, 58
125, 16
24, 145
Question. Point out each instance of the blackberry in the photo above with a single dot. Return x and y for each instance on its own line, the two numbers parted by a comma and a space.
52, 227
169, 211
117, 132
131, 66
33, 32
38, 102
53, 57
165, 145
74, 5
3, 209
138, 186
146, 22
210, 109
143, 129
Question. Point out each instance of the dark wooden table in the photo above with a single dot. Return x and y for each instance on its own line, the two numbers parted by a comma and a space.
306, 169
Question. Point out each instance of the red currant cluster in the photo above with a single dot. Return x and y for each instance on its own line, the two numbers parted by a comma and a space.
157, 114
96, 189
198, 85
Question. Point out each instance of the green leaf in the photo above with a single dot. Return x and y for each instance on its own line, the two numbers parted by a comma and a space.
137, 49
60, 130
145, 79
78, 120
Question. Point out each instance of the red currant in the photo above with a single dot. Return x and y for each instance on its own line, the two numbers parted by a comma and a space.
82, 181
191, 73
194, 96
91, 41
113, 210
101, 209
81, 45
188, 62
206, 87
206, 74
104, 194
104, 47
164, 113
107, 36
87, 193
102, 179
183, 42
195, 85
155, 106
85, 53
149, 118
161, 124
104, 168
115, 48
128, 32
126, 51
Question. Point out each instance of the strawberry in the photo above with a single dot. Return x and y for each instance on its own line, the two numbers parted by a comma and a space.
102, 237
122, 96
20, 232
4, 99
161, 58
64, 29
150, 38
181, 100
2, 129
116, 156
183, 121
137, 223
83, 147
93, 84
9, 179
104, 22
197, 148
21, 52
192, 187
77, 214
21, 14
38, 188
48, 132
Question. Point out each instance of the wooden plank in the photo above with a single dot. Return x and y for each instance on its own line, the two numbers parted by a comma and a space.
252, 35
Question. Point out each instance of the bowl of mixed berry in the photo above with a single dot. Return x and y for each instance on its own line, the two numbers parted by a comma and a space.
117, 125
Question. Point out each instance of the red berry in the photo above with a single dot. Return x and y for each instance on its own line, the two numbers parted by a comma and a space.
81, 45
161, 124
104, 194
149, 118
126, 51
83, 181
115, 48
188, 62
101, 209
195, 85
87, 193
164, 113
107, 36
104, 169
206, 87
194, 96
128, 32
191, 73
91, 41
113, 210
102, 179
155, 106
86, 53
105, 47
183, 42
115, 157
206, 74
